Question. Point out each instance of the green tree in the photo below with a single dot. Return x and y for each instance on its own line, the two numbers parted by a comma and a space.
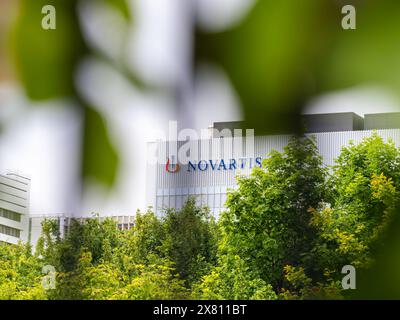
146, 237
352, 222
95, 238
20, 274
267, 222
190, 240
95, 260
101, 281
364, 188
232, 280
156, 280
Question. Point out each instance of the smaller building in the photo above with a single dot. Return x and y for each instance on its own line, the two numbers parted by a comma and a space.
14, 208
221, 129
122, 222
35, 226
64, 223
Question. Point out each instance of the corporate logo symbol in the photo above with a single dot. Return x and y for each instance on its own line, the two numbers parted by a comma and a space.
172, 168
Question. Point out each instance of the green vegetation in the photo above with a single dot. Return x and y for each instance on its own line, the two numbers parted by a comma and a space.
20, 274
287, 232
159, 258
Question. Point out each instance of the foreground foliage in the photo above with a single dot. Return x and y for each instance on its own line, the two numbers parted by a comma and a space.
287, 232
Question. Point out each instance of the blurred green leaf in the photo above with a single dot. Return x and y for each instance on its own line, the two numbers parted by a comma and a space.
269, 58
369, 54
285, 52
100, 160
46, 59
382, 281
122, 6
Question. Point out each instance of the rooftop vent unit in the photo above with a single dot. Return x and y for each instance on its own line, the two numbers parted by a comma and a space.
382, 121
332, 122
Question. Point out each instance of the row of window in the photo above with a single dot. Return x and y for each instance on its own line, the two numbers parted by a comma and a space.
215, 202
210, 200
10, 231
194, 190
10, 215
125, 226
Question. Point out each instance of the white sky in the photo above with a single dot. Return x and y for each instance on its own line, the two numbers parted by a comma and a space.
41, 144
361, 100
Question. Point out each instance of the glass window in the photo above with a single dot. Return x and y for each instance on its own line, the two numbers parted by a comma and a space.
198, 200
218, 200
9, 231
165, 202
159, 203
10, 215
178, 202
172, 201
223, 199
210, 201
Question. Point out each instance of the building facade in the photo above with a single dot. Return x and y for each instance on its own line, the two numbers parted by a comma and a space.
212, 172
14, 208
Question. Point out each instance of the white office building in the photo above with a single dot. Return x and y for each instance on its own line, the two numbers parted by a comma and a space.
212, 172
14, 208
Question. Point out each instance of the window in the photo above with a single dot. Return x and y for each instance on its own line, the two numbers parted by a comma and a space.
10, 231
10, 215
218, 200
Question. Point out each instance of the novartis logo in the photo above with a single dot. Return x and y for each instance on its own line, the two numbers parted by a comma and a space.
190, 150
215, 165
172, 168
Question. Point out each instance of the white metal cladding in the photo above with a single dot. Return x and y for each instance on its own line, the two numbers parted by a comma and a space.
330, 143
210, 187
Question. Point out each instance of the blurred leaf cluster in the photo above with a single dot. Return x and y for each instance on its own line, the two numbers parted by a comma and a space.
279, 56
46, 63
285, 52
